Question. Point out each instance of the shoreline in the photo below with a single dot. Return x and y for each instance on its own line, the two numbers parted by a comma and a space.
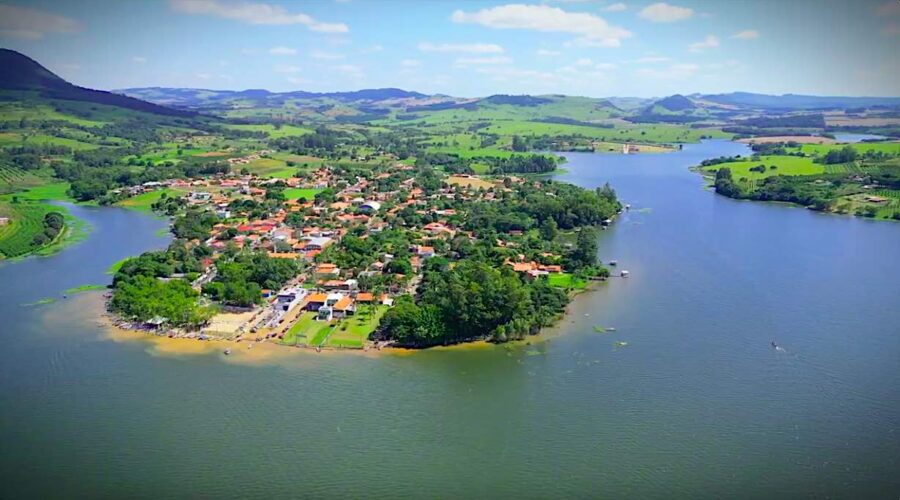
162, 343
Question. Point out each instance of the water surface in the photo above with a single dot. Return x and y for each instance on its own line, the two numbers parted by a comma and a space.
697, 405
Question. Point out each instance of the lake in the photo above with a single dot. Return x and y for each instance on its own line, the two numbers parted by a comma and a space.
698, 404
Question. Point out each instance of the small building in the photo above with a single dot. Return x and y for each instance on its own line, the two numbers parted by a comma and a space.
316, 243
287, 299
370, 207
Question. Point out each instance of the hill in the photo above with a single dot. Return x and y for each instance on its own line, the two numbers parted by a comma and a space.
799, 102
19, 72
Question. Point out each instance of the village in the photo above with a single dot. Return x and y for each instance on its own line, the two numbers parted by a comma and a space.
334, 301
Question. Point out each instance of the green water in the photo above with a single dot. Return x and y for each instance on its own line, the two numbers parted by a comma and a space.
697, 405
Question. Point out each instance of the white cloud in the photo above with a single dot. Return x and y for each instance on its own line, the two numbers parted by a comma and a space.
652, 60
592, 30
350, 70
372, 49
547, 53
326, 56
138, 59
410, 63
665, 13
584, 61
711, 41
672, 72
32, 24
254, 13
282, 51
477, 61
296, 80
616, 7
286, 68
471, 48
746, 35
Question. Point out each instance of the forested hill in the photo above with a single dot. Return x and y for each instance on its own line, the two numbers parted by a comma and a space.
19, 72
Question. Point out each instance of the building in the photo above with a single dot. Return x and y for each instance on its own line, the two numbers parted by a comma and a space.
370, 207
288, 298
316, 243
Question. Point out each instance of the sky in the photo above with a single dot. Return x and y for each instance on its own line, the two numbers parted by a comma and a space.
593, 48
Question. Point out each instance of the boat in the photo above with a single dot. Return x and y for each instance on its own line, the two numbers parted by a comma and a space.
227, 352
624, 273
613, 262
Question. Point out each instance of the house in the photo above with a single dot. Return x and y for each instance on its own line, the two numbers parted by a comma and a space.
315, 243
365, 298
199, 196
327, 271
290, 297
344, 285
344, 307
424, 251
315, 301
4, 221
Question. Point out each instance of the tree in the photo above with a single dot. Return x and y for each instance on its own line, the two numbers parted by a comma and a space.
548, 230
585, 251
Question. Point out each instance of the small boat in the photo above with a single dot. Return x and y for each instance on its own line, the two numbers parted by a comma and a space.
227, 352
627, 206
614, 263
624, 273
774, 345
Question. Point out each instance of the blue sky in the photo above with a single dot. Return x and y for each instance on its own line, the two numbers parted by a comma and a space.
474, 48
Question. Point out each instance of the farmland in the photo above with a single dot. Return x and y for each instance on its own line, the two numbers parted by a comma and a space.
784, 165
26, 221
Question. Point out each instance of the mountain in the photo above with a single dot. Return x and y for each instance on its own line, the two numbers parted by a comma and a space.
19, 72
676, 102
672, 109
224, 98
799, 102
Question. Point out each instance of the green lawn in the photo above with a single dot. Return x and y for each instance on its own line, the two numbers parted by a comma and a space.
270, 167
785, 165
353, 331
307, 331
892, 148
297, 193
566, 280
52, 191
143, 201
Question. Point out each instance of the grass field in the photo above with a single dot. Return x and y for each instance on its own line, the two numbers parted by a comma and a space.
25, 221
143, 201
353, 332
55, 191
304, 330
566, 280
469, 182
786, 165
272, 131
891, 148
297, 193
270, 167
643, 133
